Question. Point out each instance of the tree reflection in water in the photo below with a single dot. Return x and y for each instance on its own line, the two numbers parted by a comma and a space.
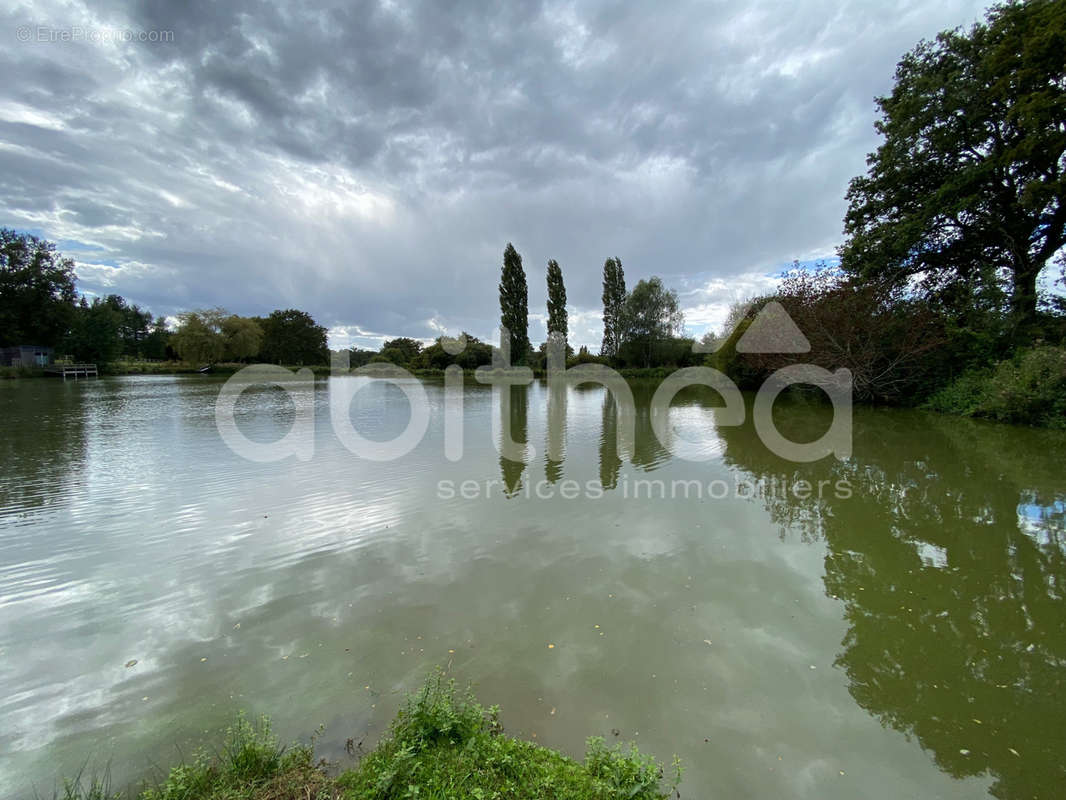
950, 560
514, 405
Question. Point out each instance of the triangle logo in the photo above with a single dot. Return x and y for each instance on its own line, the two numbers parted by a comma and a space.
773, 331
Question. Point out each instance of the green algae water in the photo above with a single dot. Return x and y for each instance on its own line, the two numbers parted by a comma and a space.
888, 626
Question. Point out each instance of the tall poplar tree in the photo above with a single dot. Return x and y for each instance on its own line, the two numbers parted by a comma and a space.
514, 304
614, 298
557, 318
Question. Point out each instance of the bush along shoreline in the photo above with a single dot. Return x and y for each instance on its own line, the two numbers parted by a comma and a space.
442, 745
1029, 389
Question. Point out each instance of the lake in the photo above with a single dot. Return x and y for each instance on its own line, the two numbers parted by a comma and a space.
899, 634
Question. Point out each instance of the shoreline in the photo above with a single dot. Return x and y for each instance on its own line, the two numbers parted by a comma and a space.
174, 368
441, 741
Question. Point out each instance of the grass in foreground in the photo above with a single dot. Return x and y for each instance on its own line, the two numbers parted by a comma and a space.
441, 746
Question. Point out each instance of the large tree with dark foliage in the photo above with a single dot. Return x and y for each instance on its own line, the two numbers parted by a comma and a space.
614, 299
514, 304
557, 317
402, 351
157, 343
96, 330
966, 190
37, 299
133, 324
473, 353
651, 315
293, 337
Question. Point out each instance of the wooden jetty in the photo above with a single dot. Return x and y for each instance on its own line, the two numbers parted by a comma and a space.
74, 371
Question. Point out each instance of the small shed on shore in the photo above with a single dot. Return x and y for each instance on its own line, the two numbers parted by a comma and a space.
26, 355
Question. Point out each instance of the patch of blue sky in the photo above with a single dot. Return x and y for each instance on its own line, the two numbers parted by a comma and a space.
74, 245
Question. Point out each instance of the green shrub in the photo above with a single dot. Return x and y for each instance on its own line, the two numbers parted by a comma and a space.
443, 744
1029, 389
623, 774
964, 395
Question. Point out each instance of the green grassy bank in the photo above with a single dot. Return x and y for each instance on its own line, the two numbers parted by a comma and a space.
442, 745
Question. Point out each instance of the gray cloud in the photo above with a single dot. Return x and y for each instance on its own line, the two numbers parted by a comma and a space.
368, 161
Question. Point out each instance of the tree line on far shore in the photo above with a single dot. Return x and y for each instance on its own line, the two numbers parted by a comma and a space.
39, 305
936, 299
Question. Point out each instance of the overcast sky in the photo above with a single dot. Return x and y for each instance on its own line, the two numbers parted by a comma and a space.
368, 161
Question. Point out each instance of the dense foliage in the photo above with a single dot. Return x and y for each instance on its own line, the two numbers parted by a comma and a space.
557, 316
37, 294
965, 192
650, 318
614, 298
465, 351
293, 337
514, 304
1028, 388
892, 343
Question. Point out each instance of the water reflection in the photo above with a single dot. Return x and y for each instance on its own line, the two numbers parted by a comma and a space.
950, 559
42, 445
610, 462
513, 435
555, 448
690, 625
648, 451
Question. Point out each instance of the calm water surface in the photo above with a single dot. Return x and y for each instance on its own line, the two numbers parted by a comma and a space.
906, 641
